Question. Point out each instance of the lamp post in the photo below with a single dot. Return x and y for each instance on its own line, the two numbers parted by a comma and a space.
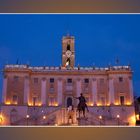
100, 118
118, 119
27, 117
44, 118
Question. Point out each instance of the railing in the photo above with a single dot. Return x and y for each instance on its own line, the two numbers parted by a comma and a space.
46, 68
36, 117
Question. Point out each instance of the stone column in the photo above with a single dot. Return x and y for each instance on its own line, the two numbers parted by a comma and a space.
94, 91
78, 87
131, 90
4, 89
59, 91
43, 91
111, 90
26, 90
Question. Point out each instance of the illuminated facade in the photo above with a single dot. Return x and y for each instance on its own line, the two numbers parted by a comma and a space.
41, 95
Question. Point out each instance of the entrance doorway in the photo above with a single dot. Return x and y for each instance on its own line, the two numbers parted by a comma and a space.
69, 101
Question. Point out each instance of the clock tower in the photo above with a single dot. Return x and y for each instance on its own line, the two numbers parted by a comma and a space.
68, 52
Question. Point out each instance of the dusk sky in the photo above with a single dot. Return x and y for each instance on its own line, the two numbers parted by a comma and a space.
99, 39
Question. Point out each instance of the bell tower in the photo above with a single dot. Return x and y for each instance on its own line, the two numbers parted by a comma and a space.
68, 52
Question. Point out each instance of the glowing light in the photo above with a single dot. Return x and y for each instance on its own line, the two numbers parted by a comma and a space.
108, 104
8, 103
30, 104
128, 103
39, 104
98, 104
118, 116
27, 116
91, 104
44, 117
55, 104
56, 124
137, 117
100, 117
15, 103
116, 103
1, 119
132, 120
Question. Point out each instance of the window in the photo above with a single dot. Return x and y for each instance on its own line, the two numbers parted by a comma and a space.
51, 80
68, 47
86, 80
120, 79
103, 100
35, 80
34, 101
16, 78
69, 80
15, 99
69, 101
101, 81
122, 100
51, 88
51, 101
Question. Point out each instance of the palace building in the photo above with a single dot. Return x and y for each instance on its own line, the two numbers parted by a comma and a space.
41, 95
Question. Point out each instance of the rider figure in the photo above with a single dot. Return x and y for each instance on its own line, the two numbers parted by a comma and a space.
82, 101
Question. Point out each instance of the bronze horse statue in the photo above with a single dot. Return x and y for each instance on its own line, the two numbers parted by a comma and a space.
82, 105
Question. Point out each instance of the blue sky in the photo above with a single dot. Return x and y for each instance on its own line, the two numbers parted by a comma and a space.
99, 39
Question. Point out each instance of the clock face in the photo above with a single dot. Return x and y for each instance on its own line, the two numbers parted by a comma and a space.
68, 53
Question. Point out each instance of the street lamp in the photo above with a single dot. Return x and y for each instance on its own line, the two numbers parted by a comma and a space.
44, 117
118, 119
27, 117
100, 118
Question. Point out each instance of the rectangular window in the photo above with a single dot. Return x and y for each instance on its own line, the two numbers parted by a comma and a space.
51, 88
15, 99
16, 78
103, 100
35, 80
120, 79
51, 80
51, 101
69, 80
122, 100
86, 89
86, 80
34, 101
101, 81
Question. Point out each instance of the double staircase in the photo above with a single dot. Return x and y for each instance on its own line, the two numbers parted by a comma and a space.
93, 119
58, 116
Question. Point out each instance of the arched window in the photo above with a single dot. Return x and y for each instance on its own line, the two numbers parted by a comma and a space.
68, 47
69, 101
